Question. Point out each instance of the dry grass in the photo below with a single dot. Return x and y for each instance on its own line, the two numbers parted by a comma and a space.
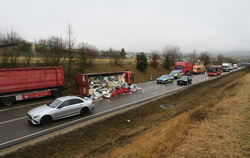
216, 132
152, 132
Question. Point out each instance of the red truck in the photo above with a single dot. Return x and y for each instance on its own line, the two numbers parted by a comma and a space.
83, 80
185, 67
26, 83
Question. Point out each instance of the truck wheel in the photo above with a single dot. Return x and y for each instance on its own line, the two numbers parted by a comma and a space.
85, 111
56, 93
8, 101
45, 120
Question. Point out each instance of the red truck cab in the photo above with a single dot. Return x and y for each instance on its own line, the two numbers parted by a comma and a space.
185, 67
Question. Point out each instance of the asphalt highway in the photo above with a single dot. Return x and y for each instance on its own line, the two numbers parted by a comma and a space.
14, 127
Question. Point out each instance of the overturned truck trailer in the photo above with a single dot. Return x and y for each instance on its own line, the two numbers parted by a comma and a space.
106, 84
27, 83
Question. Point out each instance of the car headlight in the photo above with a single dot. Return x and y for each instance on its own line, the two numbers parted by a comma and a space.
36, 116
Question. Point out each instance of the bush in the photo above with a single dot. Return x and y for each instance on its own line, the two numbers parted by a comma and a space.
154, 63
142, 63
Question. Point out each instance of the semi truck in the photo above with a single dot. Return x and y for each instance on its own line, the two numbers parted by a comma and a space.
26, 83
83, 81
185, 67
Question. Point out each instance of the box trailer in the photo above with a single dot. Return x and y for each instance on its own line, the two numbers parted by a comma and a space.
27, 83
83, 81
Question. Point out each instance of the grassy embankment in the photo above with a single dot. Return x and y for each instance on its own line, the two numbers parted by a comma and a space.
208, 120
140, 76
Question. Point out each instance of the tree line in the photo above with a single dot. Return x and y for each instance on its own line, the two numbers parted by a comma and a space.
54, 51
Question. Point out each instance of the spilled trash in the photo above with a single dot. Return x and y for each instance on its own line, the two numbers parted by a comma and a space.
106, 85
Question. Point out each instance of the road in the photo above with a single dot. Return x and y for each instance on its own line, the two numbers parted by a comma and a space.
15, 129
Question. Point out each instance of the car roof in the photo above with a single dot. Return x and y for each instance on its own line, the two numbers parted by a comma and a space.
68, 97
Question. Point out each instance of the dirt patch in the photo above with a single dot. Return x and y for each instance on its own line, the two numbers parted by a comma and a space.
104, 138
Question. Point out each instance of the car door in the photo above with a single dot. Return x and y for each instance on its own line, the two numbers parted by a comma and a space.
62, 110
75, 106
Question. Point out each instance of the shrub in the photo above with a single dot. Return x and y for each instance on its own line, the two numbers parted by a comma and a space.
142, 62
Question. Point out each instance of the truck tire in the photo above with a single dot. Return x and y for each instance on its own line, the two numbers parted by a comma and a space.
85, 111
45, 120
56, 93
8, 101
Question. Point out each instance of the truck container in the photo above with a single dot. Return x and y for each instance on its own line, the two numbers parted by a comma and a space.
83, 80
26, 83
214, 70
185, 67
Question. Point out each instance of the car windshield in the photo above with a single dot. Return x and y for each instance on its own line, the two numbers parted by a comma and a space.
164, 76
174, 72
184, 78
55, 103
179, 67
211, 69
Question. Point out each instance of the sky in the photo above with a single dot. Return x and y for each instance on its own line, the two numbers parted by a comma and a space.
136, 25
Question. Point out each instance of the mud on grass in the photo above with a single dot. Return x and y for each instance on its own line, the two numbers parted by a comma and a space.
96, 139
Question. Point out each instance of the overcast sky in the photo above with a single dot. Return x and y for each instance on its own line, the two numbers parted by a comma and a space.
136, 25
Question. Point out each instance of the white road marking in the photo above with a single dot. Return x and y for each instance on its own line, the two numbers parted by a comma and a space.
26, 105
20, 118
100, 113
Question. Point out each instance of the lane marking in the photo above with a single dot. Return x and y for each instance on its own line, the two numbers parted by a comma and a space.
20, 118
91, 116
23, 106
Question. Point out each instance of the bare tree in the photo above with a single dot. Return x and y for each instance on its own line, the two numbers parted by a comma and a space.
154, 59
43, 49
171, 54
70, 45
205, 57
192, 57
220, 59
10, 55
26, 51
52, 50
90, 51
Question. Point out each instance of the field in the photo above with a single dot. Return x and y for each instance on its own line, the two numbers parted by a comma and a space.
207, 120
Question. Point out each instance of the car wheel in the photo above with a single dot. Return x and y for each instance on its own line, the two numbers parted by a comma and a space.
85, 111
45, 120
8, 101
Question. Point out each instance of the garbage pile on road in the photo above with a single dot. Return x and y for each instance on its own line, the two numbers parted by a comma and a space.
110, 86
